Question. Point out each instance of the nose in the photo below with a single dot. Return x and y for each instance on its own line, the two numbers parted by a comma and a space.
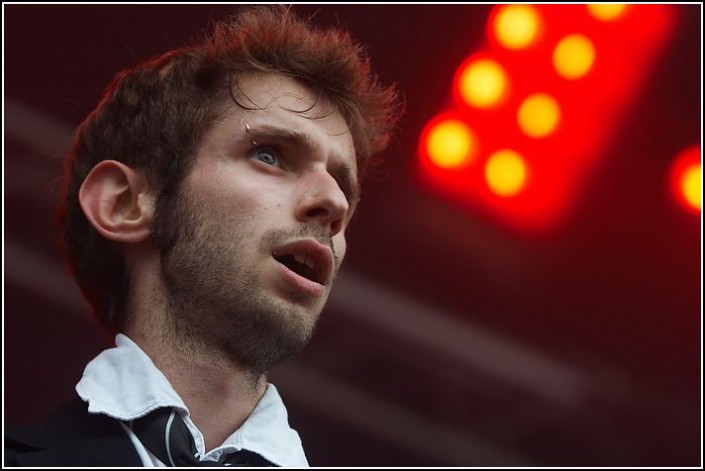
322, 202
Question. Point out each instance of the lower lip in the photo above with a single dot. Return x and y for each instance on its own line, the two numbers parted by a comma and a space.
299, 282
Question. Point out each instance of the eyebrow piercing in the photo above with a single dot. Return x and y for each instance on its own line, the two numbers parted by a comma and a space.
248, 130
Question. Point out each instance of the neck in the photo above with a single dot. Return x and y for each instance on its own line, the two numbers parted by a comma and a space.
219, 394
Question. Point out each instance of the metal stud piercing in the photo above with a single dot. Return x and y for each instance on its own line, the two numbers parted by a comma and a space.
248, 130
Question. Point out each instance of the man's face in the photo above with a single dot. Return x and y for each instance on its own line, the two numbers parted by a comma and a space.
259, 227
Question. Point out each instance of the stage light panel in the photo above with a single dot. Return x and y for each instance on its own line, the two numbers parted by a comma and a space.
568, 78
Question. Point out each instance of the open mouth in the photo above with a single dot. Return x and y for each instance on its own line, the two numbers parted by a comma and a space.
307, 258
301, 265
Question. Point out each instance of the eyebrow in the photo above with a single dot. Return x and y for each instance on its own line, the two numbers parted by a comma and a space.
343, 174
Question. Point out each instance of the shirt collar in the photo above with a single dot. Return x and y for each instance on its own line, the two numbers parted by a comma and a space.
123, 383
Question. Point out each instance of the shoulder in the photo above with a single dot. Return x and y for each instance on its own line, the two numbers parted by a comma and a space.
69, 437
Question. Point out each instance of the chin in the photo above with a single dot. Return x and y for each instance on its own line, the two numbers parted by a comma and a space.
261, 338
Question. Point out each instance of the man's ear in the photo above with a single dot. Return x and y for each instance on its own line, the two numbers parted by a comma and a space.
116, 200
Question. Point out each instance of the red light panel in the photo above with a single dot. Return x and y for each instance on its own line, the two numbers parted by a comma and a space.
590, 107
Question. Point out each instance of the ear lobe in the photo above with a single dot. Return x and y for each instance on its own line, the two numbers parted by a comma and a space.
116, 201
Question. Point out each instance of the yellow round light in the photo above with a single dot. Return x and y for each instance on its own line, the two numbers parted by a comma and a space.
516, 26
505, 172
483, 83
691, 186
606, 11
539, 115
451, 144
574, 56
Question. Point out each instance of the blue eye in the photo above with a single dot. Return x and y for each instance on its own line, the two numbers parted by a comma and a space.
268, 156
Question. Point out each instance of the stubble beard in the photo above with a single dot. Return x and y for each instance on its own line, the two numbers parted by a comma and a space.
214, 302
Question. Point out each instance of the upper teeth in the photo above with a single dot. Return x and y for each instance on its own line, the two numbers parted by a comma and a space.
305, 260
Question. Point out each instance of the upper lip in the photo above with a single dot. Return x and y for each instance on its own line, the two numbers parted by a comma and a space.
317, 254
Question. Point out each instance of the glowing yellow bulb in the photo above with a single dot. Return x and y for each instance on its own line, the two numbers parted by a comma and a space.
573, 56
483, 83
691, 186
505, 172
516, 26
607, 11
451, 144
686, 178
539, 115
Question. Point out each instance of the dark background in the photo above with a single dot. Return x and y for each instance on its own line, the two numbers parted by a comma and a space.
449, 340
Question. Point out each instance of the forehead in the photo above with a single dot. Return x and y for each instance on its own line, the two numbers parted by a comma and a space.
269, 100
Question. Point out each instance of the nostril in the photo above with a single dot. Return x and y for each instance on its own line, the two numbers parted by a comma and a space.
336, 227
317, 212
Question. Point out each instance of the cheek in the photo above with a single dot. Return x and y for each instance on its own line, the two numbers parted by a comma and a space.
230, 194
340, 245
230, 206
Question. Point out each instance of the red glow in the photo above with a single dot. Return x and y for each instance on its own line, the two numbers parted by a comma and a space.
686, 178
591, 108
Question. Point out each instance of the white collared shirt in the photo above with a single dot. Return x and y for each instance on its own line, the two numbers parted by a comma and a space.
123, 383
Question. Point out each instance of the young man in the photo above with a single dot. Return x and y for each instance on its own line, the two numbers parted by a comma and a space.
204, 217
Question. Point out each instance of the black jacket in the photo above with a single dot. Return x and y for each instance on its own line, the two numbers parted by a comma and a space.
70, 437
